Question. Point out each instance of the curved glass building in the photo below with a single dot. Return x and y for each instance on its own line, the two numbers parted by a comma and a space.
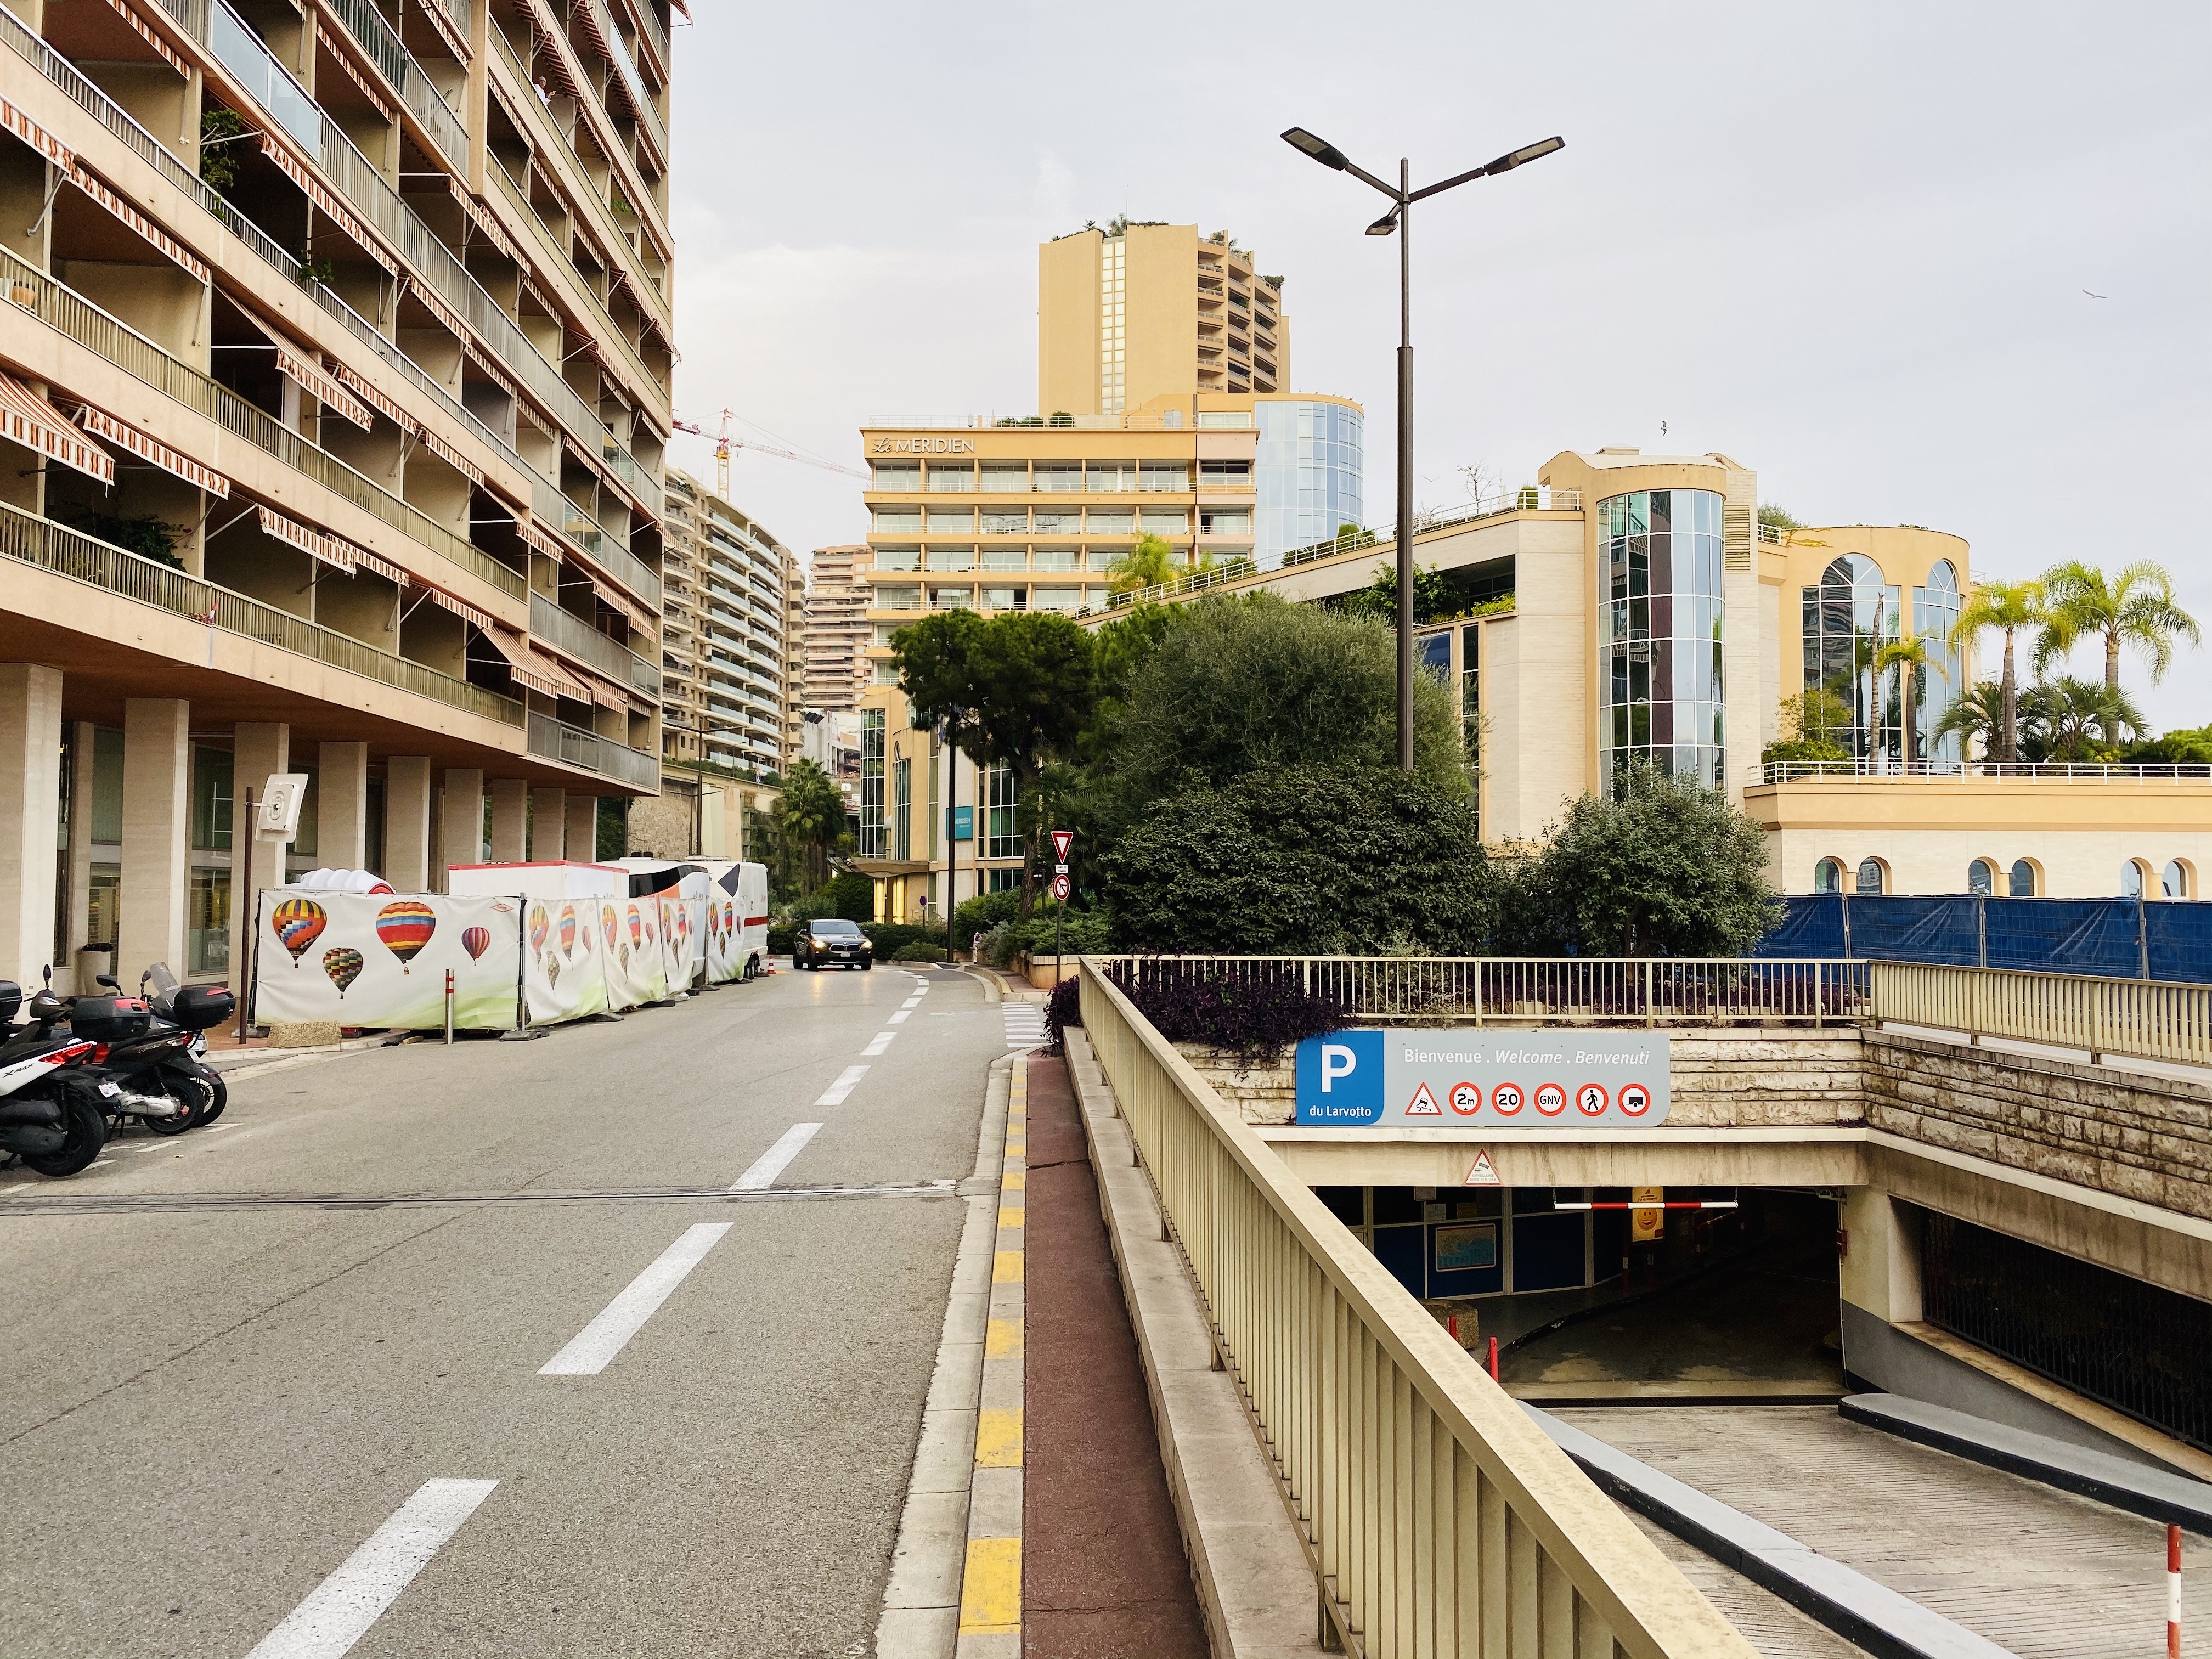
1661, 681
1308, 474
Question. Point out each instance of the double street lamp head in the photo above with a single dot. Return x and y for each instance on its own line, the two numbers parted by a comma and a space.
1317, 147
1313, 144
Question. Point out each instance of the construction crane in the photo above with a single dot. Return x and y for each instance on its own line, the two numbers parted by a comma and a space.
723, 443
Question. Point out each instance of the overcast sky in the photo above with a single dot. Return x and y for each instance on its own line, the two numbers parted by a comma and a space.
1848, 247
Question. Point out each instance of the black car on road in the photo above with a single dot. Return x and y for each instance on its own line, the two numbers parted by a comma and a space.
832, 943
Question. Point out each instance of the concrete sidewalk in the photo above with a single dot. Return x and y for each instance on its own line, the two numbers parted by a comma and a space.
1104, 1574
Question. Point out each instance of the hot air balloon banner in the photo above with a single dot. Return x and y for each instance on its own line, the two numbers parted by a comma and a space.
405, 928
476, 942
729, 918
343, 966
567, 930
537, 928
552, 969
608, 922
298, 923
636, 926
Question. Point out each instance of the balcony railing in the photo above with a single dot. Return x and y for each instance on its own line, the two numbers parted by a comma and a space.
1973, 771
54, 547
382, 42
243, 54
573, 746
69, 314
567, 632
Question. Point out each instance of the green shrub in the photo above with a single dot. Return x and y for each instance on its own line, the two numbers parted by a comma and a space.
891, 936
920, 951
982, 913
853, 896
782, 939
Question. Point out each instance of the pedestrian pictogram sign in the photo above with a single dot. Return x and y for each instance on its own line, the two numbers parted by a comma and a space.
1063, 841
1482, 1172
1424, 1103
1590, 1100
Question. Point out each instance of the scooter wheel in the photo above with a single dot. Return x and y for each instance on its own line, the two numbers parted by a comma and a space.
191, 1094
87, 1135
218, 1097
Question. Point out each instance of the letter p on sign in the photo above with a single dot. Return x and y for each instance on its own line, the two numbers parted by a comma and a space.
1336, 1060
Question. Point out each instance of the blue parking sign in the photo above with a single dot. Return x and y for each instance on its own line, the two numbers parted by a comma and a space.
1339, 1078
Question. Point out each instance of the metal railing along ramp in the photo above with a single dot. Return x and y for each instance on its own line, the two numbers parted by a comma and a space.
1440, 1520
2142, 1018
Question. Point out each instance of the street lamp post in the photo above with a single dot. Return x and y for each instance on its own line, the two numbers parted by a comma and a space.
699, 789
1400, 218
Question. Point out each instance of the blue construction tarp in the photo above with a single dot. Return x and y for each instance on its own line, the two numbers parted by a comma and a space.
2121, 937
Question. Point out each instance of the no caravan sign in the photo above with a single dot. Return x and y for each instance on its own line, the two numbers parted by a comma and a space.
1484, 1081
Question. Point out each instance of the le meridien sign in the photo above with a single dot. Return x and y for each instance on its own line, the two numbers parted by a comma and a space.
924, 447
1484, 1081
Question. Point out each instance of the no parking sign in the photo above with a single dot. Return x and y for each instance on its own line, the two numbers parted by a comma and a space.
1484, 1080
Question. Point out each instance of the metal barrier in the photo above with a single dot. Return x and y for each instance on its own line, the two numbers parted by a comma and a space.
1555, 990
1439, 1519
2145, 1019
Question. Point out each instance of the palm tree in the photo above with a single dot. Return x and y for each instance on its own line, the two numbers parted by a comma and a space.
1909, 656
2009, 607
1148, 563
1977, 713
2137, 609
2074, 713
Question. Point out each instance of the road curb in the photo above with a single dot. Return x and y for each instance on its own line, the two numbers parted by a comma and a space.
922, 1596
991, 1585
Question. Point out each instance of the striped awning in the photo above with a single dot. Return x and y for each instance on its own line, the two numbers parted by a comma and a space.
106, 426
145, 31
457, 42
34, 134
479, 217
360, 386
332, 396
462, 609
329, 549
536, 537
338, 214
605, 695
138, 222
453, 457
532, 667
530, 412
384, 567
438, 308
333, 43
32, 421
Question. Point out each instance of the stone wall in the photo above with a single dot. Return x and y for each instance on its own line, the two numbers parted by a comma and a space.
1727, 1079
2147, 1139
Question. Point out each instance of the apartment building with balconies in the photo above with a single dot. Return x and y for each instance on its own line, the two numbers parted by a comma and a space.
836, 612
1135, 312
333, 389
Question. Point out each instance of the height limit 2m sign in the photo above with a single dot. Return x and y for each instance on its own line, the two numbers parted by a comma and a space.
1484, 1081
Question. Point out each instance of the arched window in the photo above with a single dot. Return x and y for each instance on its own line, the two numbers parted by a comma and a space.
2135, 878
2174, 883
1846, 620
2023, 880
1870, 876
1982, 877
1827, 876
1936, 686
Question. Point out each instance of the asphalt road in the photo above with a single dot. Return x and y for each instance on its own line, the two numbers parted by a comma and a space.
218, 1401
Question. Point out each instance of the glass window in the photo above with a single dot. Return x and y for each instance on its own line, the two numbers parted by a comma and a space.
1846, 621
1661, 676
1004, 598
1003, 521
952, 521
207, 945
1057, 558
1055, 598
1173, 523
102, 903
211, 798
1058, 523
2022, 885
898, 558
954, 478
872, 783
1112, 521
1062, 478
1432, 654
1870, 873
1002, 839
951, 558
1003, 880
897, 475
1221, 417
2131, 880
1006, 558
1217, 522
897, 520
903, 809
2174, 883
1982, 877
1163, 480
956, 599
1001, 479
1470, 696
897, 599
1827, 876
1936, 686
107, 786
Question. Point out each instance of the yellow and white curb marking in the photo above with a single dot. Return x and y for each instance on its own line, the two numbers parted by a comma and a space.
991, 1586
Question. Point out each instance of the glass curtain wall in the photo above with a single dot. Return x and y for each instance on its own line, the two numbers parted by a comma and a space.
1002, 839
872, 783
1662, 637
1848, 618
1937, 684
1309, 478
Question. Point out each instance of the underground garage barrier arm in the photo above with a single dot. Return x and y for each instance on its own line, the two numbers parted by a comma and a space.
1441, 1519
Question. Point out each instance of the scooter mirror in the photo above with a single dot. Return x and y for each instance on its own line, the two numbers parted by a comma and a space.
108, 980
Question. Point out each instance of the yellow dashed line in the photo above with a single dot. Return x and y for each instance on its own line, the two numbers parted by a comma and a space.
999, 1438
1002, 1340
1007, 1267
991, 1591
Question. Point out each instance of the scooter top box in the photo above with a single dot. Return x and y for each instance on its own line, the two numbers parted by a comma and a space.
110, 1019
199, 1007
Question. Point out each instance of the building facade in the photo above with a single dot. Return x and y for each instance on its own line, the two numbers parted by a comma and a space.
336, 383
837, 604
1630, 608
1137, 312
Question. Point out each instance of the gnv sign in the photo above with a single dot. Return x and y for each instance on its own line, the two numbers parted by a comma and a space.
1487, 1081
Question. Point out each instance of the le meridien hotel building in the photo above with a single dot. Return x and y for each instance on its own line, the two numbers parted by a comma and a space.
335, 346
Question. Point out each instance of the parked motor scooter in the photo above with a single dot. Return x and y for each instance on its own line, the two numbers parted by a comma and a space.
197, 1009
142, 1062
50, 1112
